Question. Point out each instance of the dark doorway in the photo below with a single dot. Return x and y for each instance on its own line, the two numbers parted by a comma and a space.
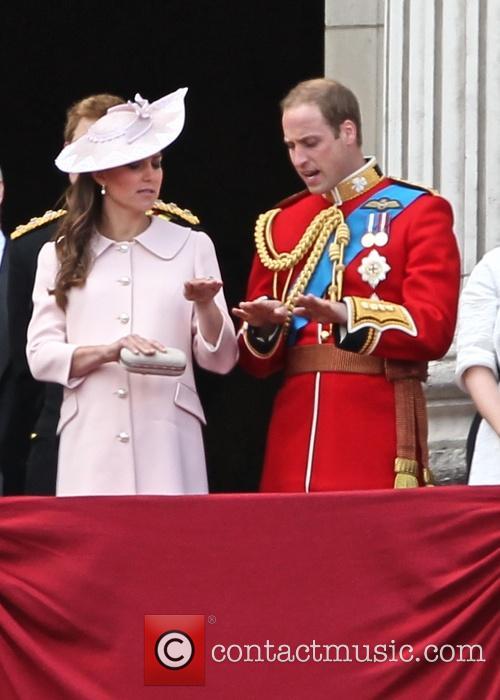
238, 59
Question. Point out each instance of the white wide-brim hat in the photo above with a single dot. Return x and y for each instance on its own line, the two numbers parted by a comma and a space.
125, 134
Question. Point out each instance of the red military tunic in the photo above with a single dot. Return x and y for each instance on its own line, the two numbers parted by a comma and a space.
336, 430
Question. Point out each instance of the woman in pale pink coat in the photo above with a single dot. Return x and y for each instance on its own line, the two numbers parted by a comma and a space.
117, 278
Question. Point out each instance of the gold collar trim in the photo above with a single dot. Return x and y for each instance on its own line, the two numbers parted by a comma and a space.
358, 182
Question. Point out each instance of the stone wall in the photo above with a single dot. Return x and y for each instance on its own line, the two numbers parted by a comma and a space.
427, 73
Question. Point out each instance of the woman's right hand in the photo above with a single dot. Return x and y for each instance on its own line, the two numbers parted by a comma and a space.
88, 358
136, 344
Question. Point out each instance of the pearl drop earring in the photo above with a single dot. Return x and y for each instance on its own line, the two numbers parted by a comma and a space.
103, 189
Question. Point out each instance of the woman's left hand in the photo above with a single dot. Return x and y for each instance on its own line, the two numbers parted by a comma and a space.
201, 290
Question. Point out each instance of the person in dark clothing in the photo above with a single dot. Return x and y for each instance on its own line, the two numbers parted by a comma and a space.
28, 441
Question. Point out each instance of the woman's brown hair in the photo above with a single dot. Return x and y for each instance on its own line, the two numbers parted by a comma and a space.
84, 205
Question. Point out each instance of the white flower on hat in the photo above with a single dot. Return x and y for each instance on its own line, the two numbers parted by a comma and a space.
125, 134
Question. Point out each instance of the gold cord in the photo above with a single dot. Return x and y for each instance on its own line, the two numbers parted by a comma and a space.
314, 239
277, 262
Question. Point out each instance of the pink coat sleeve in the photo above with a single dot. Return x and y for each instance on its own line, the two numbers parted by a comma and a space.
222, 356
49, 354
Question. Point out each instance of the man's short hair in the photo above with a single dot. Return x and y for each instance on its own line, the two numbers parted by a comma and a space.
335, 102
93, 107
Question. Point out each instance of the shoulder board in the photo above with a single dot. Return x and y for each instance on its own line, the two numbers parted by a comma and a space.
172, 212
37, 222
413, 185
291, 199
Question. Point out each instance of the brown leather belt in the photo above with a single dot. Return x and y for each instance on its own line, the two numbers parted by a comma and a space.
411, 414
328, 358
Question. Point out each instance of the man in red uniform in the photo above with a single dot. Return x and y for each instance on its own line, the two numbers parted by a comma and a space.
353, 289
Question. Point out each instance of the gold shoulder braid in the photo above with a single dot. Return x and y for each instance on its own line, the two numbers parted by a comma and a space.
170, 210
37, 222
313, 241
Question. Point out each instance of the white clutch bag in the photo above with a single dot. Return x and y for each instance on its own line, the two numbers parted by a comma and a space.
170, 363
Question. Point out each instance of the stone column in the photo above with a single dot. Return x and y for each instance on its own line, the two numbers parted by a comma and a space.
428, 74
354, 55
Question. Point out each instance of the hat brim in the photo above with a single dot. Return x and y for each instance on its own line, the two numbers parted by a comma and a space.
88, 155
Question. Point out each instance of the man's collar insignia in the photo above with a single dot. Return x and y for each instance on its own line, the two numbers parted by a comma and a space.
358, 182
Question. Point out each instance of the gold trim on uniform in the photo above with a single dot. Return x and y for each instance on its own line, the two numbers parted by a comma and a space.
428, 476
406, 471
36, 222
322, 224
311, 244
253, 350
382, 204
358, 182
371, 342
269, 232
378, 314
159, 208
286, 285
163, 210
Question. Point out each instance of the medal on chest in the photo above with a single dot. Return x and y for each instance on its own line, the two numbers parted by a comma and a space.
377, 233
374, 266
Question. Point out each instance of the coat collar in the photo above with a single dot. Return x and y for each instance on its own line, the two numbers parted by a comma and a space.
162, 238
356, 183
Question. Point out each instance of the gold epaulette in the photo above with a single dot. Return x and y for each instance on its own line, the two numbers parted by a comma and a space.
37, 222
414, 185
172, 211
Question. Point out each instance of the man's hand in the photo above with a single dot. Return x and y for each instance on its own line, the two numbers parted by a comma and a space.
262, 313
321, 310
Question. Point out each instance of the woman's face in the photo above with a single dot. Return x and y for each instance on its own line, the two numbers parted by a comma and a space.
134, 186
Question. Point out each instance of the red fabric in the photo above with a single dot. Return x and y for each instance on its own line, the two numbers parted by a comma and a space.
355, 440
77, 576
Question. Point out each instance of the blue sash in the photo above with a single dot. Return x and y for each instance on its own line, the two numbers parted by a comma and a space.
397, 197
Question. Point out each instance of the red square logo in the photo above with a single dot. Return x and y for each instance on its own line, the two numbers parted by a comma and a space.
174, 649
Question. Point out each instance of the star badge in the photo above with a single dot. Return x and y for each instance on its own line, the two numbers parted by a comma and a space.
373, 268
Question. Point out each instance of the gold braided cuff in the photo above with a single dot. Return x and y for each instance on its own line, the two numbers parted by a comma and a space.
379, 315
370, 343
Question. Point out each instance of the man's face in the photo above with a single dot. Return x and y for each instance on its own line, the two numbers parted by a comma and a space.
320, 158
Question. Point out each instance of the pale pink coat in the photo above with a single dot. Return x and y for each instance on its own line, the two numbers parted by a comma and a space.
125, 433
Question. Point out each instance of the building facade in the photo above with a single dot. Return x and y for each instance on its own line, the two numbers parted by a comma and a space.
427, 73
